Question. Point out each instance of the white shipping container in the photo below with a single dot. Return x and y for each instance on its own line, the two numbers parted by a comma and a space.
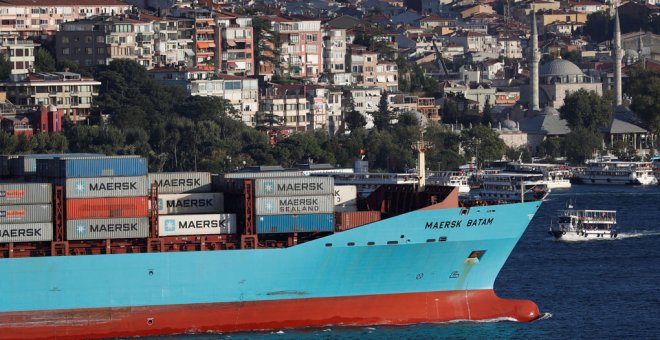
106, 187
26, 232
181, 182
294, 186
179, 204
288, 205
204, 224
345, 195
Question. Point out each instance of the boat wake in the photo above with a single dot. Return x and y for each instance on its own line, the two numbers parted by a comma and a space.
572, 237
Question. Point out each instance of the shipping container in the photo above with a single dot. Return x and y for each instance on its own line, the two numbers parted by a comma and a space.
107, 166
115, 207
26, 213
25, 193
350, 220
294, 205
345, 195
179, 204
26, 165
293, 186
106, 187
295, 223
5, 168
265, 174
26, 232
203, 224
107, 228
181, 182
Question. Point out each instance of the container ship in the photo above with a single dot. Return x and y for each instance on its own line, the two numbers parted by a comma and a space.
96, 247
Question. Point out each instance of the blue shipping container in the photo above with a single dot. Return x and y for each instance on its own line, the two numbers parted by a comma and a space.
295, 223
25, 165
117, 166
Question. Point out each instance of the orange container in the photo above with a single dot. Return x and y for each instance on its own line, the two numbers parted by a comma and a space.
115, 207
351, 219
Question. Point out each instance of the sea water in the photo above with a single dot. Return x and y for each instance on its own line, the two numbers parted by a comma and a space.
585, 289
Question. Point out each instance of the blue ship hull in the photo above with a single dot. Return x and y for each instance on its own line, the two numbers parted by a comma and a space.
409, 260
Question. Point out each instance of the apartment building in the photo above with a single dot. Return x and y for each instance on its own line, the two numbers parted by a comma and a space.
334, 50
237, 45
101, 39
170, 48
365, 100
301, 51
18, 52
69, 92
41, 19
475, 41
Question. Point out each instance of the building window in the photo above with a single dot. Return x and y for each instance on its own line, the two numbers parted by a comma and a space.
65, 40
310, 37
88, 50
88, 39
100, 50
65, 51
100, 39
294, 38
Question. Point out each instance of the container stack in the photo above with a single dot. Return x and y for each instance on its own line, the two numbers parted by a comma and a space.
26, 165
294, 204
186, 205
26, 214
105, 197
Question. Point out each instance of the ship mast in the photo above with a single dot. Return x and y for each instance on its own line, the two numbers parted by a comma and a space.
421, 146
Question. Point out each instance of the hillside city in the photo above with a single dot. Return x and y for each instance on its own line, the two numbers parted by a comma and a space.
323, 80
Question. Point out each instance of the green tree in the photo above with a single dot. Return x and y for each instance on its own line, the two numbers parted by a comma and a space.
266, 49
43, 61
354, 120
482, 143
581, 144
486, 117
644, 88
599, 26
5, 67
588, 110
8, 143
382, 117
550, 147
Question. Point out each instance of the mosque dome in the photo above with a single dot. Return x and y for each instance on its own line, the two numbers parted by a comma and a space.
561, 68
509, 124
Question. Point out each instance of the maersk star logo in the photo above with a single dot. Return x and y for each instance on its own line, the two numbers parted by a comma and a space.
80, 187
170, 225
268, 206
81, 229
269, 187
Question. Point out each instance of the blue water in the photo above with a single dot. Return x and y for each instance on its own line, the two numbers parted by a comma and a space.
593, 289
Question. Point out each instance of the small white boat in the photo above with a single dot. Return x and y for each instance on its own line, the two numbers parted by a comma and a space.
585, 223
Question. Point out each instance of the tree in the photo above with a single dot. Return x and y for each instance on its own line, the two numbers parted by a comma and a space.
550, 147
354, 120
482, 143
599, 26
382, 117
644, 88
5, 67
486, 117
266, 49
43, 61
588, 110
581, 144
8, 143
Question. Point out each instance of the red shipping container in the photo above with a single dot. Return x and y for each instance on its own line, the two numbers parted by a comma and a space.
351, 219
114, 207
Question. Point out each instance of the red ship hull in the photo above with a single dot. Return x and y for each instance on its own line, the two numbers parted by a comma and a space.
393, 309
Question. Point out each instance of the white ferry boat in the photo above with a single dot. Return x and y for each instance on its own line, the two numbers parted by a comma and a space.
617, 173
451, 178
655, 161
555, 176
585, 223
509, 186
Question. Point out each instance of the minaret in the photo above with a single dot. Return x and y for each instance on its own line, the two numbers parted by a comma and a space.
535, 59
618, 57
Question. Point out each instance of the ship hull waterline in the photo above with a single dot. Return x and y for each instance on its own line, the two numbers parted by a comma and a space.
388, 309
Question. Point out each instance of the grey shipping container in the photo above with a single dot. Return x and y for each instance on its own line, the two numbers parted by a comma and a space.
25, 193
26, 213
201, 203
181, 182
106, 187
294, 186
107, 228
26, 232
204, 224
285, 205
265, 174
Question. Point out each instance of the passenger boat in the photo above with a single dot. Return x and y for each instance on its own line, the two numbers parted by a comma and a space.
509, 186
555, 176
616, 173
585, 223
655, 162
457, 179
